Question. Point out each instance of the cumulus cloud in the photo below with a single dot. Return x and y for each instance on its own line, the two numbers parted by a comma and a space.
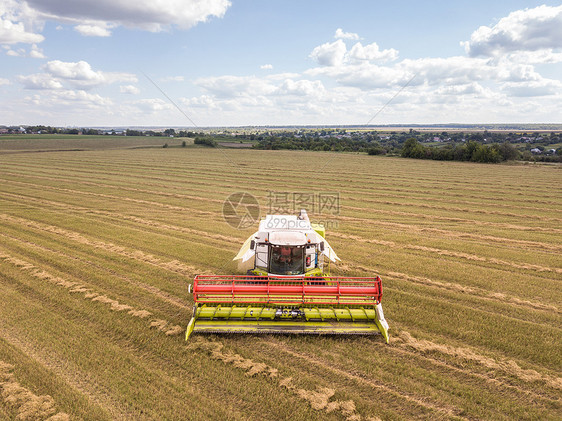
523, 30
266, 66
36, 52
99, 29
63, 75
153, 15
40, 81
4, 81
330, 53
71, 97
372, 52
365, 76
340, 34
301, 88
20, 52
543, 87
15, 33
172, 79
80, 74
129, 89
236, 86
152, 105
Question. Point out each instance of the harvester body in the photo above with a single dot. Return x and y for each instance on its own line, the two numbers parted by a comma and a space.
286, 288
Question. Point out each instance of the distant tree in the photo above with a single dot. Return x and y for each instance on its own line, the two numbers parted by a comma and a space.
413, 149
205, 141
183, 144
507, 151
165, 145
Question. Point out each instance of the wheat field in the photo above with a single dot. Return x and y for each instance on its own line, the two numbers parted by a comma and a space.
97, 249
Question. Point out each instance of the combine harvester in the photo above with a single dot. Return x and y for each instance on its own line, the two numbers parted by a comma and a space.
286, 289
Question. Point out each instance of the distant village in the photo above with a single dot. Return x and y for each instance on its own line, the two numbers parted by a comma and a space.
444, 143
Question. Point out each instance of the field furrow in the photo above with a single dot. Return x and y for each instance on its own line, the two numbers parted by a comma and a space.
97, 249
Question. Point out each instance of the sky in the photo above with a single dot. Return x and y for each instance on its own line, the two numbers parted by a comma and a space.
214, 63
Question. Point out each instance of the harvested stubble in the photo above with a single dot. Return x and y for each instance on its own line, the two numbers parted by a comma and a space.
97, 249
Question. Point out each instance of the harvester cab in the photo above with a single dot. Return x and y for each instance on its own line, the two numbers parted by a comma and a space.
287, 287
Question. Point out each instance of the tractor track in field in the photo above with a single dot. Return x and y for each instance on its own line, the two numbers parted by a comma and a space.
336, 234
525, 244
168, 298
167, 186
446, 367
378, 211
392, 390
504, 365
70, 374
475, 291
448, 209
172, 266
26, 404
366, 200
340, 217
232, 240
425, 281
89, 293
132, 218
397, 346
320, 399
176, 302
200, 171
160, 324
479, 292
448, 253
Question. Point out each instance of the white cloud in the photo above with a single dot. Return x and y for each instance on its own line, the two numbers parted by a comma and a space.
36, 52
153, 15
40, 81
372, 52
366, 76
330, 54
204, 101
13, 53
129, 89
172, 79
98, 29
533, 57
535, 88
236, 86
81, 74
71, 97
4, 81
266, 66
302, 88
14, 33
523, 30
345, 35
17, 23
60, 75
152, 105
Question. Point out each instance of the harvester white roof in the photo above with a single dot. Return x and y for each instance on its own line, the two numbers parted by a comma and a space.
285, 230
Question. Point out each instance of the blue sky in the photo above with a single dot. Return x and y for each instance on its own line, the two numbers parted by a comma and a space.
81, 63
